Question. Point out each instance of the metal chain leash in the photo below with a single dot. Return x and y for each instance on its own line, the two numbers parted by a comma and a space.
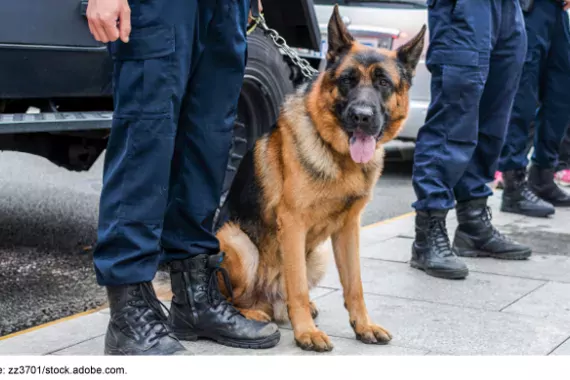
307, 70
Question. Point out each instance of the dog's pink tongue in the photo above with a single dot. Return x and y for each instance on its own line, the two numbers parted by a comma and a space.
362, 147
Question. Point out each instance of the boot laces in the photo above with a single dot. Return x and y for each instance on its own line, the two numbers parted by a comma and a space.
487, 216
520, 183
528, 194
439, 238
215, 296
151, 317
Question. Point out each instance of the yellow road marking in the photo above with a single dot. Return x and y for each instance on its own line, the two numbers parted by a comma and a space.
387, 221
50, 323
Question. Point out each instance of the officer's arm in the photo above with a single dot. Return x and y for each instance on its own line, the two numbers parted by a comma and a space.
109, 20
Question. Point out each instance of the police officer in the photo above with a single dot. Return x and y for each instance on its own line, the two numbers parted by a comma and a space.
546, 81
178, 71
475, 57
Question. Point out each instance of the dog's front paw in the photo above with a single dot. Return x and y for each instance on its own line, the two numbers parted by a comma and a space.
371, 333
314, 341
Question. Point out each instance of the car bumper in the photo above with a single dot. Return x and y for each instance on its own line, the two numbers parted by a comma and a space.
416, 118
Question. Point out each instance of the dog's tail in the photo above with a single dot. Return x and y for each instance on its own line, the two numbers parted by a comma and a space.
242, 258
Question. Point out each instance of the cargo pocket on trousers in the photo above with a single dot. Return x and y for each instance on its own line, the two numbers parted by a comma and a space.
144, 71
145, 86
462, 84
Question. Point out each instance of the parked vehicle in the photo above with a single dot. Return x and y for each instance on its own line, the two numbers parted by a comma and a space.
388, 24
55, 79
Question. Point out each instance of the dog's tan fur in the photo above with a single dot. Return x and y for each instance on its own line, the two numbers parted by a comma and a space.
271, 278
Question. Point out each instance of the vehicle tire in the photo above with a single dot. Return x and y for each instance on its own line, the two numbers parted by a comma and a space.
268, 80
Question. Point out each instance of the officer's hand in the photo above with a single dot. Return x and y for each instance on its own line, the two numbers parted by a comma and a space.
260, 10
566, 5
109, 20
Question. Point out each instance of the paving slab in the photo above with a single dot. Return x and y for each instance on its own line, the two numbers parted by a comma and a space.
478, 290
286, 346
538, 267
553, 224
448, 329
549, 301
319, 292
401, 226
563, 349
56, 336
547, 236
394, 249
91, 347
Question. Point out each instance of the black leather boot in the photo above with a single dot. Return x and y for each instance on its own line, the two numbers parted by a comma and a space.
431, 251
477, 237
199, 310
518, 198
541, 181
138, 325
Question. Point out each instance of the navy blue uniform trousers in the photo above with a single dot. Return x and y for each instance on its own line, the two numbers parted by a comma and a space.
176, 88
475, 57
545, 83
564, 152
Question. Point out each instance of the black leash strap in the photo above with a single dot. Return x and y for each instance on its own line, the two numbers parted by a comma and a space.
255, 9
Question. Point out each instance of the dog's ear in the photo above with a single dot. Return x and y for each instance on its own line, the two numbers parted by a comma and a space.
409, 54
339, 39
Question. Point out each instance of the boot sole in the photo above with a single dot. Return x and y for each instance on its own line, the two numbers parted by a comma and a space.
268, 342
522, 255
531, 213
446, 274
114, 351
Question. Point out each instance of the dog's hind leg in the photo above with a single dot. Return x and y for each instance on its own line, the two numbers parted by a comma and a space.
317, 264
241, 262
263, 312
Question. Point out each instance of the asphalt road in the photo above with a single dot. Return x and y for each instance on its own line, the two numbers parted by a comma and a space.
48, 221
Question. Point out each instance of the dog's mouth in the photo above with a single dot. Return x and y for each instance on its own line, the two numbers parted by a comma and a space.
362, 145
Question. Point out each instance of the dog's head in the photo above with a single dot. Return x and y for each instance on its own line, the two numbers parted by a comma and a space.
364, 90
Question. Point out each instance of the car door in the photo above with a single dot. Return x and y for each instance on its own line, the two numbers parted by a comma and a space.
47, 51
57, 23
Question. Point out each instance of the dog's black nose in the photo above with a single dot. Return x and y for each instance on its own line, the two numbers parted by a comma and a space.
361, 116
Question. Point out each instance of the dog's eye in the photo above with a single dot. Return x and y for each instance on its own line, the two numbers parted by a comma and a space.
380, 79
347, 81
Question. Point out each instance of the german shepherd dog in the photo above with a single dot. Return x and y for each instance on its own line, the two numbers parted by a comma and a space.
309, 180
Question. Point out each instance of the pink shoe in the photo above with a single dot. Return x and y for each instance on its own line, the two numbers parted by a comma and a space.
562, 177
499, 184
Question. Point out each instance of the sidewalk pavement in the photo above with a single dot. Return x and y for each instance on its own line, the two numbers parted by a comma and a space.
502, 308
